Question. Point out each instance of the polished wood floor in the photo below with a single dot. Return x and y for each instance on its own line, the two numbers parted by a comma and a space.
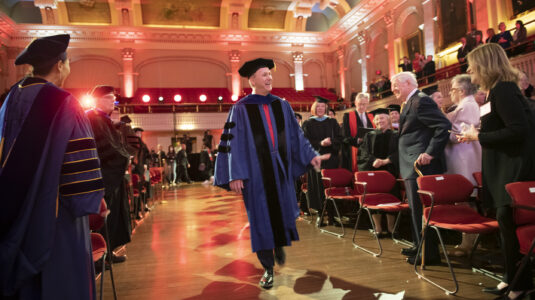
195, 245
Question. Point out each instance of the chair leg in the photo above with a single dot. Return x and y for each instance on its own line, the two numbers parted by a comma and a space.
399, 241
483, 271
339, 235
113, 282
376, 254
102, 275
110, 257
422, 276
524, 263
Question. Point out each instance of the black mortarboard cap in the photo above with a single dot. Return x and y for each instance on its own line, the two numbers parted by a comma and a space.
250, 67
47, 50
102, 90
298, 115
138, 129
321, 99
393, 107
126, 119
378, 111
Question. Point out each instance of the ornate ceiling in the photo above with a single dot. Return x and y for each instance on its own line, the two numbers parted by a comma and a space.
278, 15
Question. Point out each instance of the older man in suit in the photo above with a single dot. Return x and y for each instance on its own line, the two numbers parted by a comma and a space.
423, 135
353, 122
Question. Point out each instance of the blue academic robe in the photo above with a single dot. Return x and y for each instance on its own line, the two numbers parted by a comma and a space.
50, 181
267, 167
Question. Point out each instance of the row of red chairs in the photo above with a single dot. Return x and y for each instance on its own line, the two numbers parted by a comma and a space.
440, 195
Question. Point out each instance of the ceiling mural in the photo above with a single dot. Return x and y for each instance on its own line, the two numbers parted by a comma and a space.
321, 20
88, 11
21, 11
268, 14
201, 13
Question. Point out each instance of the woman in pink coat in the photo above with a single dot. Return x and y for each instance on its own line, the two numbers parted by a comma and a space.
463, 158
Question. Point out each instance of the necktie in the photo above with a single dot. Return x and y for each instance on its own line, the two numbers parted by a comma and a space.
402, 106
363, 119
268, 119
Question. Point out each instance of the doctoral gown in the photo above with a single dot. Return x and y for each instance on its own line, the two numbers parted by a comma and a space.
50, 181
268, 162
382, 145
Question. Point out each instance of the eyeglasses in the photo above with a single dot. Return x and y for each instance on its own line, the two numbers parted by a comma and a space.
454, 90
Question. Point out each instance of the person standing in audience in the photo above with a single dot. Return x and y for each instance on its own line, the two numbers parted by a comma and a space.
50, 180
262, 131
182, 165
208, 140
480, 97
187, 142
491, 36
114, 161
461, 54
323, 133
423, 135
352, 122
429, 69
205, 164
393, 113
507, 136
379, 151
520, 36
504, 38
299, 118
171, 165
405, 64
462, 158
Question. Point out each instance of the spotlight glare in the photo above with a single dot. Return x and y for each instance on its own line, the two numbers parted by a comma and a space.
160, 98
202, 98
145, 98
177, 98
220, 98
234, 97
88, 101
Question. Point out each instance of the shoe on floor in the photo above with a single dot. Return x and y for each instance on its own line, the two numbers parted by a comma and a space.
495, 291
266, 282
409, 251
118, 259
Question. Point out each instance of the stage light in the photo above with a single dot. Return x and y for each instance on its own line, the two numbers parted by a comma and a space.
202, 98
88, 101
177, 98
145, 98
160, 98
234, 97
220, 98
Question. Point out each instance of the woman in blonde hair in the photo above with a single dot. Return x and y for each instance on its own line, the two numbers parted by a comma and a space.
507, 137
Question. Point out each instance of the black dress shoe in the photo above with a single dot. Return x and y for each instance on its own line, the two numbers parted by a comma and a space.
409, 251
266, 282
428, 261
494, 290
280, 256
118, 259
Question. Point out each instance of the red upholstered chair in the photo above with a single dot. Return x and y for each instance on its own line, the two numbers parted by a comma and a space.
438, 194
139, 195
374, 188
338, 187
100, 246
523, 196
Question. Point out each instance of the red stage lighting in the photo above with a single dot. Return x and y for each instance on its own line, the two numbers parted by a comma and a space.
177, 98
145, 98
88, 101
234, 97
202, 98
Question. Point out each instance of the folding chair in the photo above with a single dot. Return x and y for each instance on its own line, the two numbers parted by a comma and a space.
100, 246
523, 196
438, 194
339, 187
375, 187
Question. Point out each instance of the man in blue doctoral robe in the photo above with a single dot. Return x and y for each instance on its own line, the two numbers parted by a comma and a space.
50, 181
262, 152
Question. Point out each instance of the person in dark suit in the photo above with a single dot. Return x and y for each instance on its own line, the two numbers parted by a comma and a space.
507, 137
423, 135
461, 54
405, 64
352, 122
182, 165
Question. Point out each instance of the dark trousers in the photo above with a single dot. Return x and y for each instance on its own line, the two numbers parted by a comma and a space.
267, 257
182, 173
416, 207
510, 250
315, 191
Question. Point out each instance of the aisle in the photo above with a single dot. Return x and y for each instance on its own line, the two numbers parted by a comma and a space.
194, 245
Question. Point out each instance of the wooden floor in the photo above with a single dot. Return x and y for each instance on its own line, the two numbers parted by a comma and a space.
194, 245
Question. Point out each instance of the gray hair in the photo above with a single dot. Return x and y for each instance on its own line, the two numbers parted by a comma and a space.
362, 96
405, 77
465, 83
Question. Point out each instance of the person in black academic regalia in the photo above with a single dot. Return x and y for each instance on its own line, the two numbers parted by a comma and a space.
208, 139
324, 136
50, 181
182, 165
114, 161
205, 164
379, 151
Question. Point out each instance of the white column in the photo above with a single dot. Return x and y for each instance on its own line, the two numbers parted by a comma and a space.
391, 32
362, 38
298, 73
429, 27
234, 57
342, 71
128, 72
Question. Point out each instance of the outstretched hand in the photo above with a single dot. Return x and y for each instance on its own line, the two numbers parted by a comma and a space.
236, 186
316, 161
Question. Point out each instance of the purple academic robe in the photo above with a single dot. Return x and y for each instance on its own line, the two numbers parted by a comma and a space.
50, 181
246, 152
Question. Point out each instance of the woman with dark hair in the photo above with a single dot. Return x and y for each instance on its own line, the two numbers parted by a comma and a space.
491, 36
507, 138
520, 37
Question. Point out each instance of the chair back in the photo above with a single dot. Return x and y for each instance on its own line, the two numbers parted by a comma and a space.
523, 194
447, 188
376, 181
96, 221
339, 177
